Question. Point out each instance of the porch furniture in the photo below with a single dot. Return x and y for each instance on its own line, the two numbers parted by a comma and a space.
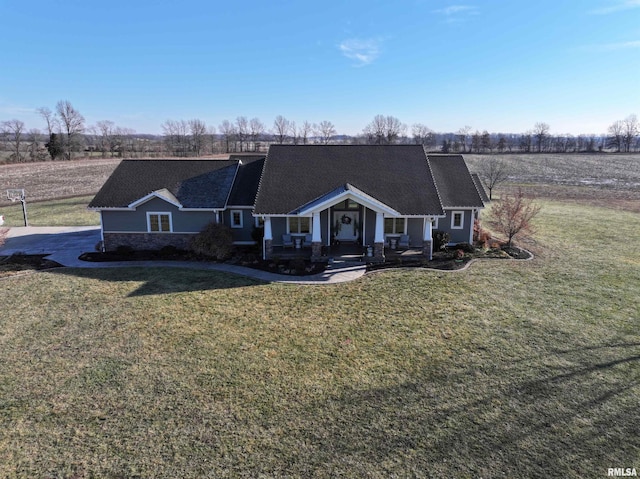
404, 241
393, 242
287, 241
308, 239
298, 241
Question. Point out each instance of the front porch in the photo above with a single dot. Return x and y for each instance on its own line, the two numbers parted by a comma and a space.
340, 223
346, 252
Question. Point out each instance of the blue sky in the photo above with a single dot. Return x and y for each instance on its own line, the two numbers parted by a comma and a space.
494, 64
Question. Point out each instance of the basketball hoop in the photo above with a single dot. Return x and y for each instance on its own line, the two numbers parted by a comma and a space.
15, 194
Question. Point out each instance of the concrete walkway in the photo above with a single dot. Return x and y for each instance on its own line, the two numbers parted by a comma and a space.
65, 244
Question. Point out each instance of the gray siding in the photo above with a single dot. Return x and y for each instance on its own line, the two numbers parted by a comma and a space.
415, 230
325, 227
136, 221
370, 226
278, 228
248, 222
457, 235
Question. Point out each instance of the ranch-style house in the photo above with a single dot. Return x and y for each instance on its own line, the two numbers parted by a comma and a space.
305, 198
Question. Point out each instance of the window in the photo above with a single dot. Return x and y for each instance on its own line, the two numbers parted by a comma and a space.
457, 220
299, 224
394, 226
236, 219
159, 223
434, 223
259, 222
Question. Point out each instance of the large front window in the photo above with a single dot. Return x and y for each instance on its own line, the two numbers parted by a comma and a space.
394, 226
159, 222
299, 224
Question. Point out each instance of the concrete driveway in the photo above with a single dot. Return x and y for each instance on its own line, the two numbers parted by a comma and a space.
63, 244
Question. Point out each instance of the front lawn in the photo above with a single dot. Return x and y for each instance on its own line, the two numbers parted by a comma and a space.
508, 369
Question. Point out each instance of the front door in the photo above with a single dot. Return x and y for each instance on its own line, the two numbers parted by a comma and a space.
346, 225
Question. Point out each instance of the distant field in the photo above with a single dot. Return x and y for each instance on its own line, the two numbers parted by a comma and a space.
56, 179
598, 179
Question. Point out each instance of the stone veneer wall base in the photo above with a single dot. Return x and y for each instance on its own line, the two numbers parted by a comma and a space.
147, 241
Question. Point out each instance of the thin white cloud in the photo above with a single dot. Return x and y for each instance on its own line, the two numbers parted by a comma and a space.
617, 6
457, 13
361, 51
608, 47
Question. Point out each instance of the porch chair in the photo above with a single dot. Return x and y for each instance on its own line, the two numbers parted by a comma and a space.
308, 238
287, 241
404, 241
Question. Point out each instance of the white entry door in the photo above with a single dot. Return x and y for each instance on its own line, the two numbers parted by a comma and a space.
345, 225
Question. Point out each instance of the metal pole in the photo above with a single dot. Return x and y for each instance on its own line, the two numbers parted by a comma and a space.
24, 211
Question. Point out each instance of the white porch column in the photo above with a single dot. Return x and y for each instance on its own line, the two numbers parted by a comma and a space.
267, 240
427, 240
268, 235
379, 237
428, 233
316, 233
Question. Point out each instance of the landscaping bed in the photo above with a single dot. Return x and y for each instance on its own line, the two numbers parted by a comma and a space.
294, 266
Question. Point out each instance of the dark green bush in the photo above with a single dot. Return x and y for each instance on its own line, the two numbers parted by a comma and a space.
215, 241
440, 240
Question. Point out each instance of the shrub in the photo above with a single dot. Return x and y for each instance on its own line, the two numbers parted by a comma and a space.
168, 250
215, 241
465, 247
298, 265
124, 250
440, 240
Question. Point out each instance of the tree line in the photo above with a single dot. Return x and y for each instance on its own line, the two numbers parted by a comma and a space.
66, 136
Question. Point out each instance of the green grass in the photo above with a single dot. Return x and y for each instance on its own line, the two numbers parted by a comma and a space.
509, 369
61, 212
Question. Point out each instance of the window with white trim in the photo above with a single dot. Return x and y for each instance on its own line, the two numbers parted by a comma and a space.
394, 226
259, 222
236, 219
434, 223
159, 222
299, 225
457, 220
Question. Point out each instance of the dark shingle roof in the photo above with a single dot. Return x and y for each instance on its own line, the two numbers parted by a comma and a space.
246, 184
455, 184
480, 188
396, 175
195, 183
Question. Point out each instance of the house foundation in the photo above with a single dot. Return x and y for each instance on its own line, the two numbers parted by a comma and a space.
427, 249
316, 251
378, 253
146, 241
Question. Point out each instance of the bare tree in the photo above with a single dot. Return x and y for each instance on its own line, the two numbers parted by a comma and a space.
211, 134
293, 128
325, 130
228, 131
616, 134
384, 130
50, 118
281, 129
105, 131
423, 135
36, 151
305, 131
13, 131
242, 130
176, 136
72, 123
540, 132
630, 129
197, 131
462, 136
256, 131
512, 216
494, 172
